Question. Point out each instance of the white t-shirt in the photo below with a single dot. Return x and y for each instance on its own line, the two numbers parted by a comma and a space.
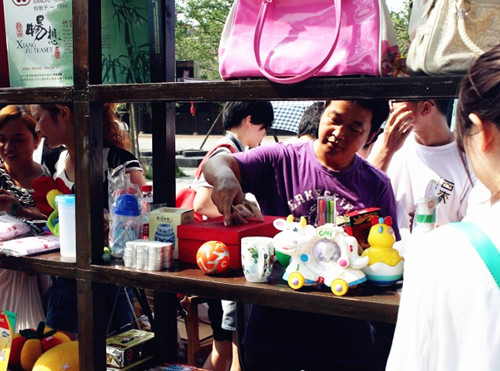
418, 171
449, 313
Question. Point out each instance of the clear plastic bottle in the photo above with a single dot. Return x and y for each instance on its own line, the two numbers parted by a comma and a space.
126, 223
147, 200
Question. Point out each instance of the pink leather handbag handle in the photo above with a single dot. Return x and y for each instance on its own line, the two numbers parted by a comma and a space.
305, 75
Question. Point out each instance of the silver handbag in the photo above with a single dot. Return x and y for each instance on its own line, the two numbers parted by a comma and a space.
448, 35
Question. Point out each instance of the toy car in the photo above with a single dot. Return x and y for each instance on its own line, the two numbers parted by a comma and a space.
323, 255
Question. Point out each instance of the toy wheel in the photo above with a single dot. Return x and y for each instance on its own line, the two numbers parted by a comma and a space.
296, 280
339, 287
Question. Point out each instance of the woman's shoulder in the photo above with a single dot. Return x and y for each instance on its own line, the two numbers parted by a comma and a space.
116, 156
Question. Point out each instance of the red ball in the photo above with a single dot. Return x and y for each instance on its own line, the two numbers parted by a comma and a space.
213, 257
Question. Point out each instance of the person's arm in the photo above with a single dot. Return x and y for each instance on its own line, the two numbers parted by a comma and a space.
29, 213
223, 173
10, 204
137, 177
397, 128
203, 203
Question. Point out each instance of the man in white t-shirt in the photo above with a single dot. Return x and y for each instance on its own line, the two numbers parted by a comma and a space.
417, 150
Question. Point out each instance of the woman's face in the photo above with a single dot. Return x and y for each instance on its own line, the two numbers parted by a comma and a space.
47, 127
17, 142
343, 130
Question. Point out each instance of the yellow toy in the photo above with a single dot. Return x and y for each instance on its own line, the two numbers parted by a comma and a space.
61, 357
385, 266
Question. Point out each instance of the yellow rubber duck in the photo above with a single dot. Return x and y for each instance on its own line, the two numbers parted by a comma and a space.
381, 239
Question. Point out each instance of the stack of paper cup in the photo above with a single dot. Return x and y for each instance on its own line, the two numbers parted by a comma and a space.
148, 255
129, 254
168, 254
155, 257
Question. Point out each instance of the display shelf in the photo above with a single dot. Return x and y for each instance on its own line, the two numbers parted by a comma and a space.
364, 301
49, 263
35, 95
314, 89
86, 96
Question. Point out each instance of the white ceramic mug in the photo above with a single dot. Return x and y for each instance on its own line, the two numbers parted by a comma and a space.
257, 258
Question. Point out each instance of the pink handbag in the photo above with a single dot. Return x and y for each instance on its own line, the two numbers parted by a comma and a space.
288, 41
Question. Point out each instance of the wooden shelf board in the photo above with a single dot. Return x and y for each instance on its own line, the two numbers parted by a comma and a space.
314, 89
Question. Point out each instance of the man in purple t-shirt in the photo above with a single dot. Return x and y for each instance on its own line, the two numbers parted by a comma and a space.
287, 179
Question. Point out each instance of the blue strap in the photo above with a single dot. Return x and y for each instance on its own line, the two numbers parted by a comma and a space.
483, 245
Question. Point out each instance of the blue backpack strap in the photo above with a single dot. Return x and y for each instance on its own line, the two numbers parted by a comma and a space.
483, 245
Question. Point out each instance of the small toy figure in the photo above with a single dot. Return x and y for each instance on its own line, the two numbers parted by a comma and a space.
324, 255
292, 234
385, 265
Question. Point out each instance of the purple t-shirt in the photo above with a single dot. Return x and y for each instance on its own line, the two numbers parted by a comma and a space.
288, 178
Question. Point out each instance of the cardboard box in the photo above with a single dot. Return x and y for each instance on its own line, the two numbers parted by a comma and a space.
358, 224
163, 223
192, 236
129, 347
139, 365
7, 328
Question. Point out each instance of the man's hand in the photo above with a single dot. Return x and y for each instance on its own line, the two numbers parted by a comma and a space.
226, 192
398, 126
223, 173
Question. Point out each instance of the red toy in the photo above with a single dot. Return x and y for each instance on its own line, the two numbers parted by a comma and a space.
213, 257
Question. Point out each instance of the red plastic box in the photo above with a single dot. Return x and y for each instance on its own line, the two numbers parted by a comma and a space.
191, 236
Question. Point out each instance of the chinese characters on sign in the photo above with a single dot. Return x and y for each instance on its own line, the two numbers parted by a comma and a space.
39, 42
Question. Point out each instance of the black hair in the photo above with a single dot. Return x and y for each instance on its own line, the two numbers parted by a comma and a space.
309, 122
443, 105
261, 113
479, 93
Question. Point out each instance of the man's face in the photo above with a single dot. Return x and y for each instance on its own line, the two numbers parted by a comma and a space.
344, 129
